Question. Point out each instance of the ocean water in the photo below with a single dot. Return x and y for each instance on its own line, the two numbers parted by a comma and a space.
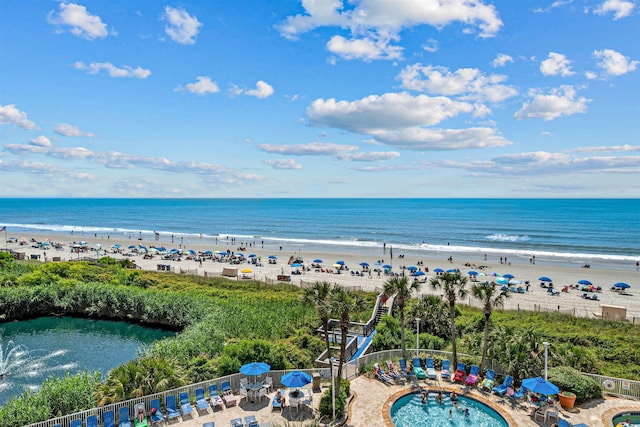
570, 230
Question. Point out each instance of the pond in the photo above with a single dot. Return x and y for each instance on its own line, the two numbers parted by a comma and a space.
33, 350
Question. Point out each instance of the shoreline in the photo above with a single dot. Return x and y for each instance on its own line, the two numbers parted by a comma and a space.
537, 298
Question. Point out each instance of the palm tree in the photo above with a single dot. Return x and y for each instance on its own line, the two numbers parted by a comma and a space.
453, 286
402, 288
491, 297
518, 352
433, 313
343, 304
318, 295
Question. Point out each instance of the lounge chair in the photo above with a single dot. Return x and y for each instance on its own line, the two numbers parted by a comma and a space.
209, 424
564, 423
156, 416
172, 409
92, 421
393, 373
185, 405
124, 419
381, 375
227, 395
201, 402
517, 394
445, 372
458, 377
501, 389
76, 423
236, 422
489, 378
108, 419
417, 369
431, 369
250, 421
137, 408
214, 398
472, 378
403, 367
275, 403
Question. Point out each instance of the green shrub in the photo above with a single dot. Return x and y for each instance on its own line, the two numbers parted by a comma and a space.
569, 379
325, 407
432, 342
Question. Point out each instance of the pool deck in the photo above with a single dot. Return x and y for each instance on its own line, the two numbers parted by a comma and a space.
372, 400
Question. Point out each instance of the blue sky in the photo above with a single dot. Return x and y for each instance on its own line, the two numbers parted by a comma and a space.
320, 98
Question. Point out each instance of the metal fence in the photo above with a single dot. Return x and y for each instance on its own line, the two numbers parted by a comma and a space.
617, 386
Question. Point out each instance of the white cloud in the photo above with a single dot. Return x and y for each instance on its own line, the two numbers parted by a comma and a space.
30, 167
310, 149
466, 83
611, 148
81, 23
203, 86
283, 164
66, 129
371, 156
262, 90
620, 8
427, 139
366, 49
501, 60
181, 27
125, 71
614, 63
559, 102
10, 115
431, 45
40, 141
556, 64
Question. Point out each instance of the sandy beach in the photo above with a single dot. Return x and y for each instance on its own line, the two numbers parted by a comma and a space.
536, 298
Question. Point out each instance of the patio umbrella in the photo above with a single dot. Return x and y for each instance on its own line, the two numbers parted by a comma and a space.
412, 268
621, 285
295, 379
438, 270
540, 385
472, 273
544, 279
255, 368
509, 276
584, 282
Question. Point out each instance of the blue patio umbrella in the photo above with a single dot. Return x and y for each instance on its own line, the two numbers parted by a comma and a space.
472, 273
255, 368
419, 273
621, 285
509, 276
387, 266
340, 262
412, 268
540, 385
584, 282
438, 270
364, 264
545, 279
295, 379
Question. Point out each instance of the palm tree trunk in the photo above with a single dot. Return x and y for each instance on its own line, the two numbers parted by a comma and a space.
486, 341
402, 334
325, 326
343, 350
452, 314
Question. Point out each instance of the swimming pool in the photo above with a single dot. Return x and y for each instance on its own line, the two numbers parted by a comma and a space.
409, 411
621, 418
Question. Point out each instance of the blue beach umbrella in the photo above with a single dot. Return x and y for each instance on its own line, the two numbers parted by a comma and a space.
295, 379
419, 273
296, 265
452, 270
438, 270
540, 385
132, 246
364, 264
252, 255
272, 257
239, 255
472, 273
387, 266
208, 252
584, 282
340, 262
412, 268
317, 260
509, 276
502, 281
545, 279
621, 285
255, 368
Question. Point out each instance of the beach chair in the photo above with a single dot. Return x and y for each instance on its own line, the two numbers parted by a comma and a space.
227, 395
201, 402
156, 412
139, 407
185, 405
379, 373
275, 403
403, 367
92, 421
445, 372
250, 421
417, 369
236, 422
564, 423
501, 389
472, 378
172, 409
489, 378
108, 419
209, 424
124, 419
517, 394
76, 423
214, 398
431, 369
458, 376
393, 373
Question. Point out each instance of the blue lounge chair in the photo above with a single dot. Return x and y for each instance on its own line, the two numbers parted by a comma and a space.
445, 372
417, 369
489, 378
227, 394
501, 389
403, 367
76, 423
275, 403
201, 402
236, 422
92, 421
123, 417
431, 369
209, 424
214, 398
563, 423
250, 421
156, 416
172, 409
381, 375
472, 378
108, 419
185, 405
458, 376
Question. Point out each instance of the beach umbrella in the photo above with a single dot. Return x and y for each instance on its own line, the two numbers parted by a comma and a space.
438, 270
540, 385
255, 368
544, 279
317, 260
495, 274
387, 266
337, 266
272, 257
364, 264
239, 255
245, 270
621, 285
584, 282
252, 255
412, 268
509, 276
502, 281
515, 282
419, 273
340, 262
296, 265
218, 252
132, 246
295, 379
452, 270
472, 273
192, 252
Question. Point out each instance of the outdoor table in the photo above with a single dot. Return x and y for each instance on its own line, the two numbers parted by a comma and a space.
253, 388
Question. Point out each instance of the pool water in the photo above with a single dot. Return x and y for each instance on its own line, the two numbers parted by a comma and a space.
633, 416
409, 411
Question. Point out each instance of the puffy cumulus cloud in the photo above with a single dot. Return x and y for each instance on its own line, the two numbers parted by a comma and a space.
80, 22
465, 83
202, 86
262, 90
40, 141
501, 60
10, 115
556, 64
427, 139
619, 8
367, 49
283, 164
310, 149
614, 63
125, 71
66, 129
181, 27
371, 156
559, 102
